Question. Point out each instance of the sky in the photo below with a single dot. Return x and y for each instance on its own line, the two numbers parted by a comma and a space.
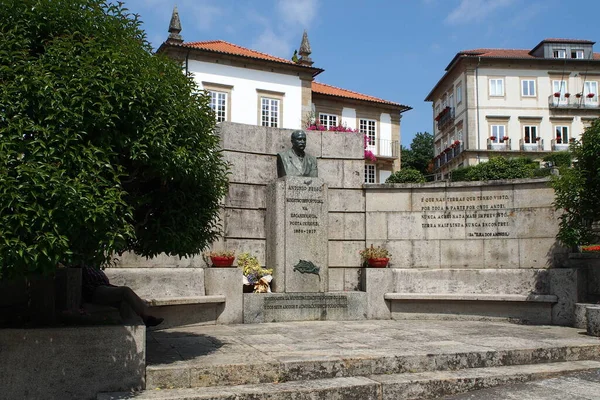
396, 50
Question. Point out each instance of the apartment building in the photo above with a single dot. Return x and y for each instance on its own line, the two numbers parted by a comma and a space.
251, 87
507, 102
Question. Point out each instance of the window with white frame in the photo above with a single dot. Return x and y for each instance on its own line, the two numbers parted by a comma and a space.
497, 87
458, 94
530, 135
561, 134
577, 54
218, 102
528, 87
369, 173
368, 127
559, 86
269, 114
559, 53
497, 133
451, 100
328, 120
590, 91
459, 135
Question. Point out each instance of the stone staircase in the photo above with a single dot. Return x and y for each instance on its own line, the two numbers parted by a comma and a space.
363, 360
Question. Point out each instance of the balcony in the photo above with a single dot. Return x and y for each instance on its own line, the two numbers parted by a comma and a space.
445, 118
558, 145
383, 148
573, 102
448, 154
503, 145
537, 146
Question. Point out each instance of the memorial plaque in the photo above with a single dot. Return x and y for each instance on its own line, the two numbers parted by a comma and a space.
297, 226
281, 307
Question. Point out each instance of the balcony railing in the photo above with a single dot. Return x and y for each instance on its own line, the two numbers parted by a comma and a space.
445, 119
573, 102
448, 154
500, 146
559, 145
537, 146
383, 147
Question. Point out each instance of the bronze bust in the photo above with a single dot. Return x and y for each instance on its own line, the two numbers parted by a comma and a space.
294, 161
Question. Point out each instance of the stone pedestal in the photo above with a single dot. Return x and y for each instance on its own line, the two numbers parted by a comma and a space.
297, 227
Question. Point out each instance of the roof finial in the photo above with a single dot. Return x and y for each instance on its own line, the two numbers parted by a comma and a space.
175, 28
305, 51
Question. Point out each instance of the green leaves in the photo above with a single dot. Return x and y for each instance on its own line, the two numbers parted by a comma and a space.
406, 175
104, 147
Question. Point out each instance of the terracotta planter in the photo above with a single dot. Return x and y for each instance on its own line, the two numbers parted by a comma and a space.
222, 261
378, 262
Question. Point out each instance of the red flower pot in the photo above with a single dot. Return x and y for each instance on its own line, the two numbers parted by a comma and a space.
222, 261
378, 262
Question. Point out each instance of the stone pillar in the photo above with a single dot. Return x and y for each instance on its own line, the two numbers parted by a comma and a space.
297, 227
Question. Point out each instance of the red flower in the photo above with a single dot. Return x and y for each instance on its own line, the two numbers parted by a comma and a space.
557, 94
590, 95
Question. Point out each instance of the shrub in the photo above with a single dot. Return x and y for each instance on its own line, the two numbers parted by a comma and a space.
559, 158
104, 147
406, 175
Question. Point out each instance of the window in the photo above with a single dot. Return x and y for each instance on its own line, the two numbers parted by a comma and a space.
369, 173
559, 87
458, 94
218, 102
497, 133
368, 128
451, 100
591, 88
528, 88
460, 135
496, 87
530, 134
559, 53
327, 120
562, 134
269, 114
576, 53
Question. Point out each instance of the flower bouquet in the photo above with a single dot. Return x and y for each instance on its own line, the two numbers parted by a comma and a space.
377, 257
254, 275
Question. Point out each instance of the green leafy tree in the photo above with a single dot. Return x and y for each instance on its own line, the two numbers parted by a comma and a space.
406, 175
104, 147
577, 190
420, 153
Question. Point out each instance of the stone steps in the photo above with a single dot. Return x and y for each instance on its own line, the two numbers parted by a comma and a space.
242, 372
401, 386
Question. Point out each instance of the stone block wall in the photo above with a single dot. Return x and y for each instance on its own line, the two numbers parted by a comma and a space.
499, 224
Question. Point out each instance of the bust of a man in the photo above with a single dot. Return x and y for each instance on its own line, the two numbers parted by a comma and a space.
294, 161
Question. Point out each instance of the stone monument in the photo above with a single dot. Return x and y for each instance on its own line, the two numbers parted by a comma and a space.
297, 222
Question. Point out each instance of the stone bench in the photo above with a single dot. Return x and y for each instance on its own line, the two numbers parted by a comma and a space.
186, 296
520, 295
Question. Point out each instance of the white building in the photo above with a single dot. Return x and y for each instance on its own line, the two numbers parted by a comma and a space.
513, 102
251, 87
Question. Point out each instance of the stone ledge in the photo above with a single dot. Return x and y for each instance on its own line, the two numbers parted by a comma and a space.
171, 301
540, 298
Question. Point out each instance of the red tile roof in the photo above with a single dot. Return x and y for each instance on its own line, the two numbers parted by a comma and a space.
221, 46
322, 88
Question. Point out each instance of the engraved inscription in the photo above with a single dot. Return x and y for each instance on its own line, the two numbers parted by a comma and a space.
304, 221
483, 216
305, 302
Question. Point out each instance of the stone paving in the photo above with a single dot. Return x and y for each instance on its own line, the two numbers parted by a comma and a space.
296, 341
580, 386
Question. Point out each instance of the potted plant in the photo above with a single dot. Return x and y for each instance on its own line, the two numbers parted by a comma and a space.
557, 94
256, 278
492, 138
375, 257
221, 258
578, 95
505, 138
567, 95
537, 139
590, 95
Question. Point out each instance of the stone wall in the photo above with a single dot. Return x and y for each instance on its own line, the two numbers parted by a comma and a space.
498, 224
